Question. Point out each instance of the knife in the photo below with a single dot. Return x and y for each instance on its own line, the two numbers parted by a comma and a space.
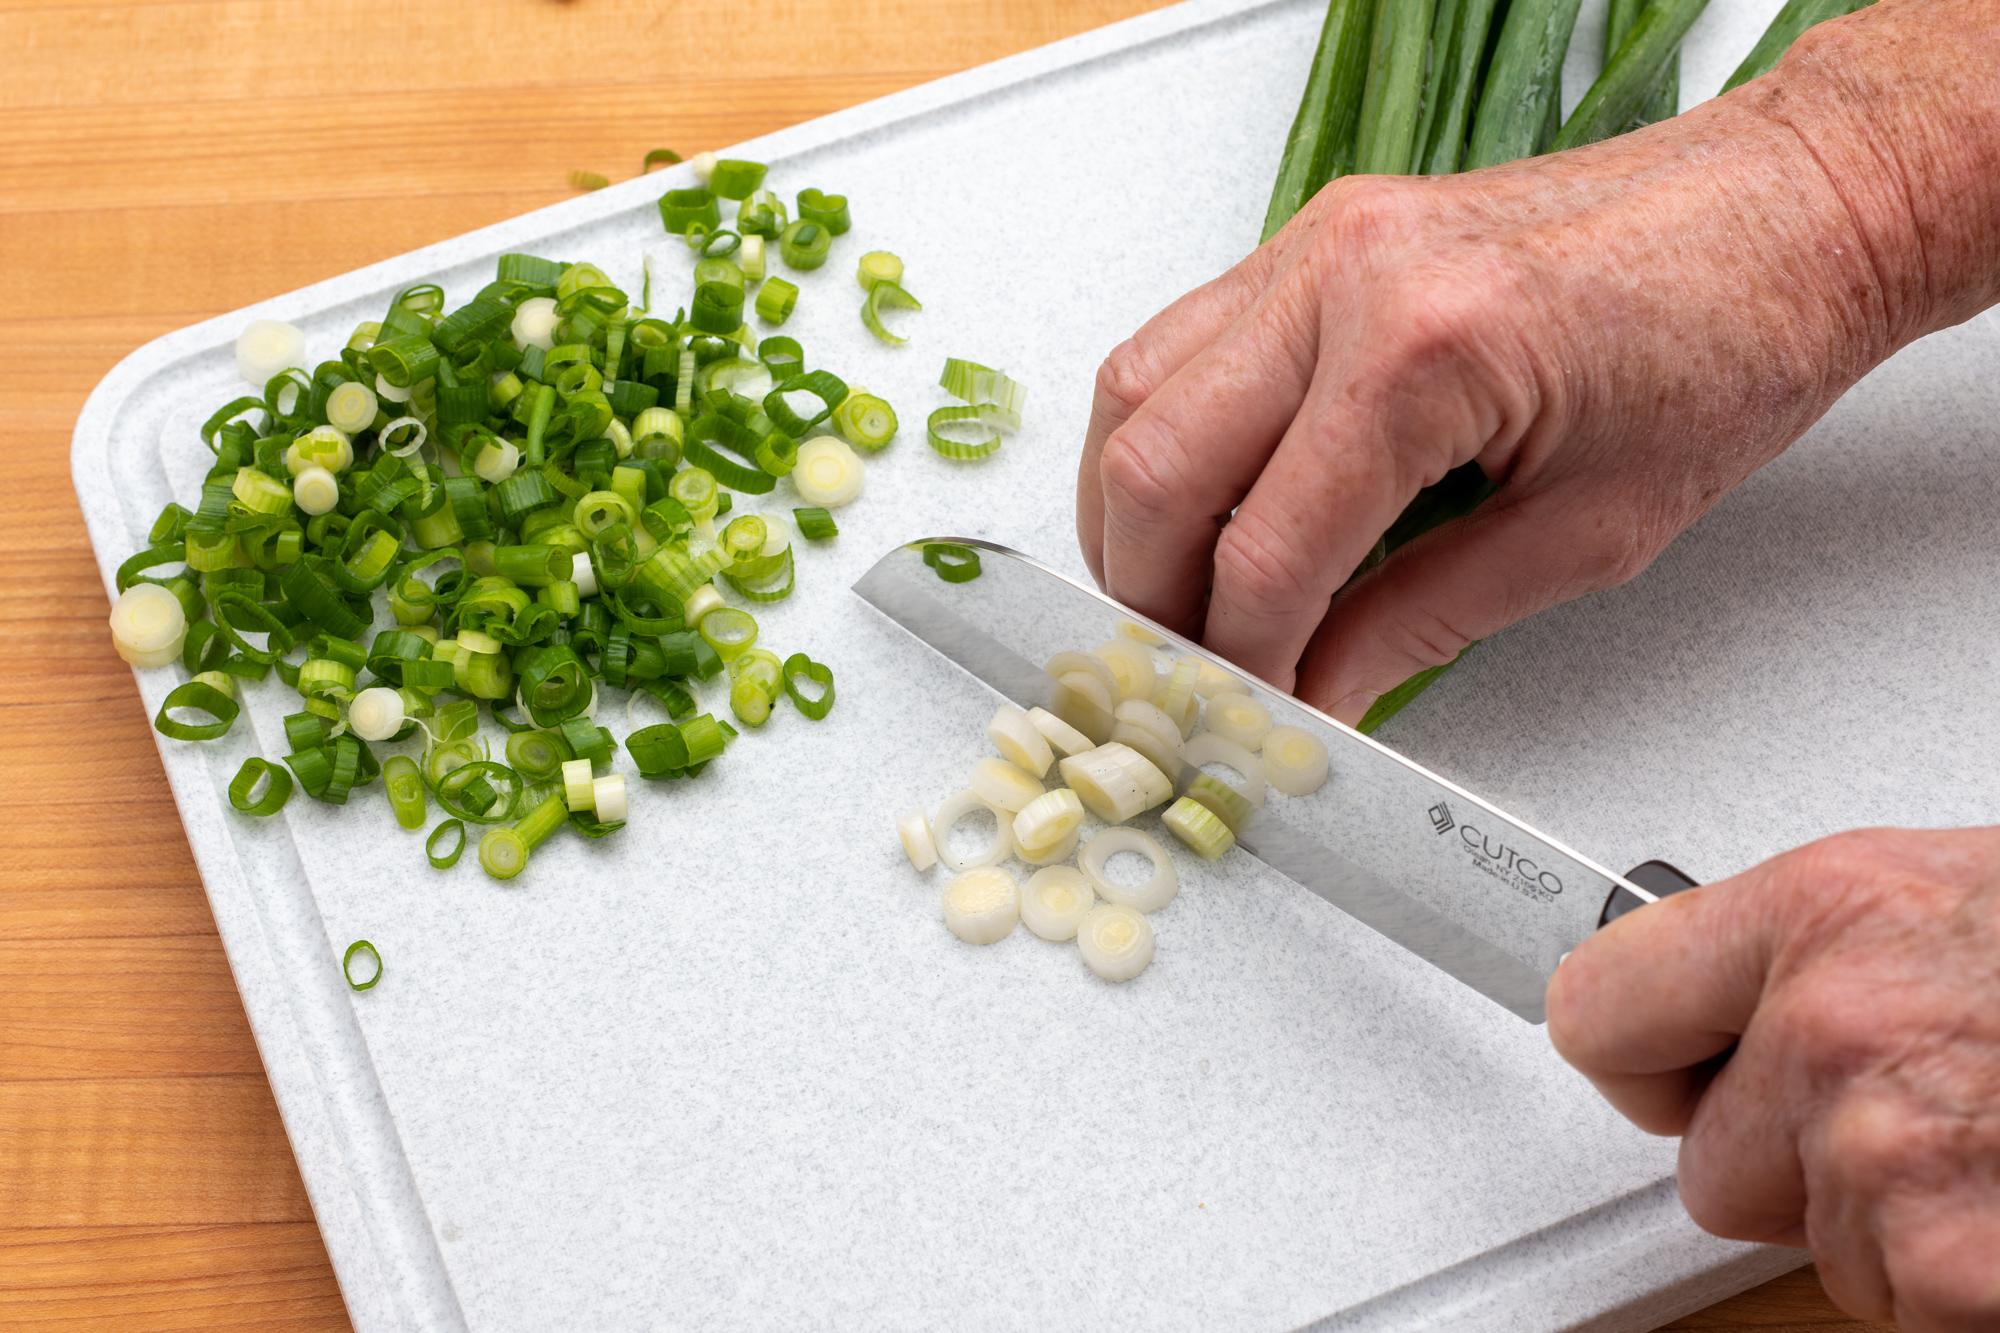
1449, 876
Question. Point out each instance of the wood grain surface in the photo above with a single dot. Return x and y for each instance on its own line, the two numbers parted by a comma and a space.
165, 160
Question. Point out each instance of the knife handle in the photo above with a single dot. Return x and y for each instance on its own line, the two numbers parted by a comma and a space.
1655, 877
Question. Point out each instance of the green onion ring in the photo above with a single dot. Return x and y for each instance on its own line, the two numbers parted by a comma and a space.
347, 965
277, 788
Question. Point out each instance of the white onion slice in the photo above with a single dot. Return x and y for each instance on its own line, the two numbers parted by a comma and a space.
578, 781
1238, 718
148, 625
1055, 901
1046, 821
1151, 732
1116, 782
1003, 786
915, 831
1050, 855
1138, 633
535, 321
1212, 680
1116, 942
1177, 697
1015, 737
1209, 748
1085, 702
982, 906
946, 819
266, 347
607, 797
1158, 890
1131, 662
1295, 762
376, 713
1062, 664
1064, 739
315, 491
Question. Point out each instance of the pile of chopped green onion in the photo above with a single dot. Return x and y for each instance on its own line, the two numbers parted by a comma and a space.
500, 509
1129, 728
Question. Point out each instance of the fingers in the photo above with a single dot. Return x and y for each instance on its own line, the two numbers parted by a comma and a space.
1740, 1172
1435, 597
1174, 471
1655, 994
1359, 449
1141, 365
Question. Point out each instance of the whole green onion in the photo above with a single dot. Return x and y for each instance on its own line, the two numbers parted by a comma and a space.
1634, 74
1392, 99
1790, 24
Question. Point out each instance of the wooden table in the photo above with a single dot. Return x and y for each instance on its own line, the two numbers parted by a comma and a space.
165, 160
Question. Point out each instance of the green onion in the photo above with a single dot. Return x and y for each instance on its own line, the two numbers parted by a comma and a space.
1788, 27
828, 210
1392, 98
504, 852
825, 387
1523, 81
588, 180
865, 421
1320, 146
405, 786
805, 245
244, 792
879, 266
735, 179
815, 525
729, 631
198, 697
1001, 399
776, 300
445, 860
970, 437
1634, 74
355, 950
886, 296
817, 706
657, 157
951, 562
536, 755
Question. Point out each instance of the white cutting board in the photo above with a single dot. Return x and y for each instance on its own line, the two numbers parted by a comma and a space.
728, 1069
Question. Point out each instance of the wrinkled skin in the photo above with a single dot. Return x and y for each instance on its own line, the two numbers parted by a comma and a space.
1858, 982
1616, 337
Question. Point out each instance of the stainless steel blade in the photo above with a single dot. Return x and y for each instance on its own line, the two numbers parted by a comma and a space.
1450, 877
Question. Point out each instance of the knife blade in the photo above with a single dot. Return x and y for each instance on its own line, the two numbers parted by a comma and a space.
1447, 875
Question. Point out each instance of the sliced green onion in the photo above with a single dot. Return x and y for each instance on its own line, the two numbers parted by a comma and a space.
201, 698
1000, 398
828, 210
733, 178
149, 626
445, 860
535, 755
805, 245
405, 786
886, 296
865, 421
659, 157
729, 631
798, 666
694, 207
951, 562
1198, 828
828, 474
504, 852
244, 791
824, 386
815, 524
588, 180
971, 438
355, 950
878, 266
776, 300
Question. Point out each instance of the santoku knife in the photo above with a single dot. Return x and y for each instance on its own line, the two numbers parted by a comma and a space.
1447, 875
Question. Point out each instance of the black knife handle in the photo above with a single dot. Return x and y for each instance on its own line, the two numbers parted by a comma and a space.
1655, 877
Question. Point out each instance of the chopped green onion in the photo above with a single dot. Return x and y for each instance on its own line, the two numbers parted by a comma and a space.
450, 828
824, 386
535, 755
951, 562
879, 266
1198, 828
504, 852
828, 210
815, 524
776, 300
244, 789
971, 439
729, 631
1000, 398
828, 473
886, 296
405, 786
149, 626
355, 950
683, 209
865, 421
659, 157
732, 178
813, 706
588, 180
805, 245
198, 697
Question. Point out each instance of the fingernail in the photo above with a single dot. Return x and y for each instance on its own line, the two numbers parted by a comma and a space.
1353, 707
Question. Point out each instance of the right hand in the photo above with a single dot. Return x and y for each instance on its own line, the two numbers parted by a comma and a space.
1616, 336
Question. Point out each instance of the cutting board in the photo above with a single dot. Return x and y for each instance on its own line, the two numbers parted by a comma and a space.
728, 1070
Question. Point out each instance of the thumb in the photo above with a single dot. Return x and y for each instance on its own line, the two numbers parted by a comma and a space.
1434, 598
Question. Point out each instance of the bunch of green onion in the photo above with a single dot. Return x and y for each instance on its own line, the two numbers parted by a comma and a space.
1430, 87
493, 510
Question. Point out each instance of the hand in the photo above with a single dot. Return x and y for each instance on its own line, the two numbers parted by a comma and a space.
1616, 336
1854, 987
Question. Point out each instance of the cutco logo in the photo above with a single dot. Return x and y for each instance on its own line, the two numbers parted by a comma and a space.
1492, 855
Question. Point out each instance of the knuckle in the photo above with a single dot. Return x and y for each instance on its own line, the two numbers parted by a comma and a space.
1424, 638
1123, 381
1257, 568
1868, 1145
1136, 477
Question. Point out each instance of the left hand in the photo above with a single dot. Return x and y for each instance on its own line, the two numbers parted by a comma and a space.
1854, 988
